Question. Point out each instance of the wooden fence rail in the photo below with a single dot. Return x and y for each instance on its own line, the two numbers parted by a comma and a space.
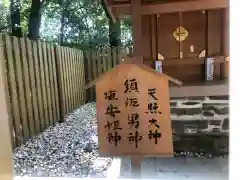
44, 83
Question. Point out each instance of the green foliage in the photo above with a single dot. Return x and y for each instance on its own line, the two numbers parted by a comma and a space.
85, 23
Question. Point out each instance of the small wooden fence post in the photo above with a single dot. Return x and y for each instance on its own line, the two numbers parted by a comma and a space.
6, 168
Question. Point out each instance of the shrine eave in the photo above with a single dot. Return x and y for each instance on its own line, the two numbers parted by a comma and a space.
120, 8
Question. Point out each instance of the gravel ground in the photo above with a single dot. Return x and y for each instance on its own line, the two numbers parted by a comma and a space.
67, 149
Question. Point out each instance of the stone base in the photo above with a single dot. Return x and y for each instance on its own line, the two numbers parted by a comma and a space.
200, 124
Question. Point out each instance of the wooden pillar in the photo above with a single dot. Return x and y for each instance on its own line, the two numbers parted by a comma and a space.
137, 29
226, 26
6, 168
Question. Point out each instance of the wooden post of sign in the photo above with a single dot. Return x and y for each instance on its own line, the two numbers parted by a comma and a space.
6, 167
137, 52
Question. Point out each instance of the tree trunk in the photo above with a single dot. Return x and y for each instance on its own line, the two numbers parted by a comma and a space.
114, 33
114, 28
64, 5
34, 20
15, 18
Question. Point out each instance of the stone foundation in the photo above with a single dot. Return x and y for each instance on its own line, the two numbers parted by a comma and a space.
200, 124
200, 115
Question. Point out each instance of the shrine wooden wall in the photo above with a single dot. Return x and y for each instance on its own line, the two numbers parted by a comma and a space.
205, 33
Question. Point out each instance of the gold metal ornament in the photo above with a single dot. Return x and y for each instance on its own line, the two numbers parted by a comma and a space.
180, 34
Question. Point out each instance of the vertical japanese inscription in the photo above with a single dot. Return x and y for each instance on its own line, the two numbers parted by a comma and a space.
131, 85
153, 110
112, 125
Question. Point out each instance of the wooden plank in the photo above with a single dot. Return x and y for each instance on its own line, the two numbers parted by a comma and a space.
214, 33
183, 6
74, 77
43, 85
33, 89
46, 85
68, 80
89, 72
173, 7
94, 63
153, 35
207, 89
51, 85
80, 68
137, 29
110, 62
13, 93
189, 61
82, 78
65, 73
105, 60
39, 123
83, 81
59, 76
6, 163
20, 88
99, 63
55, 81
5, 86
226, 26
114, 56
60, 70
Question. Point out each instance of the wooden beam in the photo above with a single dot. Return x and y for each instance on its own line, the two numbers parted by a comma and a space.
184, 6
174, 7
189, 61
213, 88
226, 26
109, 10
137, 29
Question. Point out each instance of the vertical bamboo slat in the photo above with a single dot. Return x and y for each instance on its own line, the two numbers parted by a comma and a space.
21, 94
39, 123
13, 92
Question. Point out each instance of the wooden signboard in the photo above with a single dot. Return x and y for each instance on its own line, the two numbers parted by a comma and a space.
133, 112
